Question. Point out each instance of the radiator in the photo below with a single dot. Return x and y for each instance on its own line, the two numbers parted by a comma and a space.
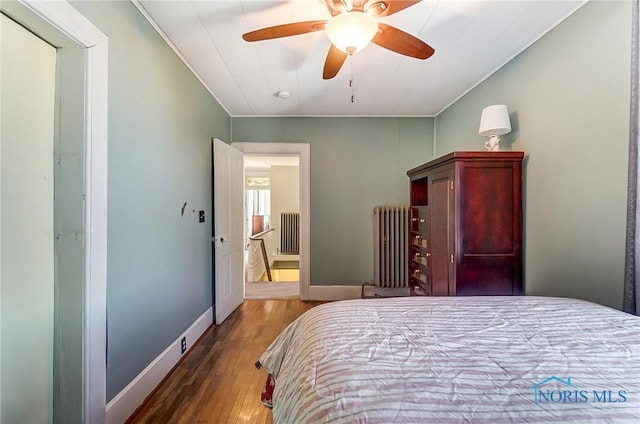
391, 247
290, 233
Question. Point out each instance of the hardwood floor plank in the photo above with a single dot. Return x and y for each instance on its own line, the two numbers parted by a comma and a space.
217, 381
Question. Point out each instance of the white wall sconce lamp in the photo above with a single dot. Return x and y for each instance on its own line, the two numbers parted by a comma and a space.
494, 122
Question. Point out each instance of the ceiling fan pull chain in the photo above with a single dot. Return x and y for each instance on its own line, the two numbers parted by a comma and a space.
351, 77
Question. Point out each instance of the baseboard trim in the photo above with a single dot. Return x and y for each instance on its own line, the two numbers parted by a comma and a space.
334, 292
125, 403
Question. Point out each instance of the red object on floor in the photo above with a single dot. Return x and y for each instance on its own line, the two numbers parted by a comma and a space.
267, 392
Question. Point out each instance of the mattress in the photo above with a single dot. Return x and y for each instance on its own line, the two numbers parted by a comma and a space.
457, 360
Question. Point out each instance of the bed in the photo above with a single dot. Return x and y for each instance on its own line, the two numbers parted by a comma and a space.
456, 360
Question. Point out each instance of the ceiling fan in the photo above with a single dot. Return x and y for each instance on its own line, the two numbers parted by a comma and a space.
354, 23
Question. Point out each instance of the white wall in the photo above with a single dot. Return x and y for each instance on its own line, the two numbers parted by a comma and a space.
285, 195
26, 227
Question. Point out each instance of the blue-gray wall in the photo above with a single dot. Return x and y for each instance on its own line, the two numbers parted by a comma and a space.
356, 164
161, 120
568, 95
569, 100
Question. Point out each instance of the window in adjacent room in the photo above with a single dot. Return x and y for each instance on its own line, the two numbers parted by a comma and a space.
258, 203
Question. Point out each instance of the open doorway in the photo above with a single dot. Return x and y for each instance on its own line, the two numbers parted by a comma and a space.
272, 229
277, 216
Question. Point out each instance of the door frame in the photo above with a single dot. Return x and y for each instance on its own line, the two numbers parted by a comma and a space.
303, 150
61, 25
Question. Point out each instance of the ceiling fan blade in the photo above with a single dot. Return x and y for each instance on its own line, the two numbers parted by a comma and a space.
400, 42
285, 30
389, 7
335, 60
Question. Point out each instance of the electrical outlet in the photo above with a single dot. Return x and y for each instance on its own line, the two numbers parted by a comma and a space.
183, 345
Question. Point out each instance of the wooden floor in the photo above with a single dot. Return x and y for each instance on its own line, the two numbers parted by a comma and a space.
217, 381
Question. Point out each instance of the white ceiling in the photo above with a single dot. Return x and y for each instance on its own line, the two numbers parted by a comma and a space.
472, 39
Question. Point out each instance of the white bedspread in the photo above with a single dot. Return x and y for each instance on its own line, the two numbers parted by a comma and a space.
457, 360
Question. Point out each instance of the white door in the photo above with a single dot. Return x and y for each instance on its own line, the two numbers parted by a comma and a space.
26, 226
228, 178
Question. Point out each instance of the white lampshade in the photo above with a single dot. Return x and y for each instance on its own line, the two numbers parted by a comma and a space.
495, 121
351, 31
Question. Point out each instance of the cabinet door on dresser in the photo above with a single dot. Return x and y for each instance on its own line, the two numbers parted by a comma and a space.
490, 216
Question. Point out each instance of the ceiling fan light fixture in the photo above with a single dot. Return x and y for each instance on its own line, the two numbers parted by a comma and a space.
352, 31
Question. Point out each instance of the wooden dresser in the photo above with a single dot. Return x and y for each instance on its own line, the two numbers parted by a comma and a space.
466, 225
